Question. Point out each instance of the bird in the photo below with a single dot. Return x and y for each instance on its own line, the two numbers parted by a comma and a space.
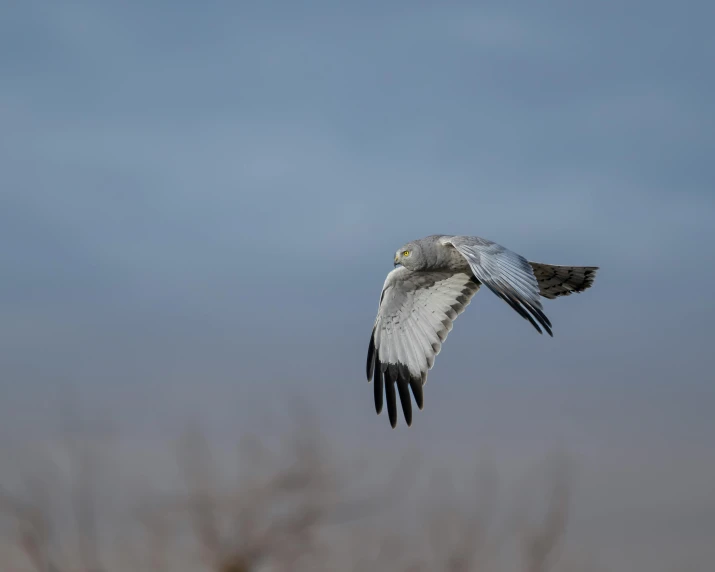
433, 281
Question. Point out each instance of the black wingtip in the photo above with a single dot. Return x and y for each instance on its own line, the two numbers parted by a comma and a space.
526, 310
379, 387
391, 398
416, 387
370, 366
405, 400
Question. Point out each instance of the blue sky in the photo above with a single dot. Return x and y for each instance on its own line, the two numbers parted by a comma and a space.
199, 204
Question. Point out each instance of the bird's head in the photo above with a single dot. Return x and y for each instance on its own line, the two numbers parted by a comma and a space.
409, 256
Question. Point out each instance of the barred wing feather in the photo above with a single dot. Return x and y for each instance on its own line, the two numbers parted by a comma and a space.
415, 315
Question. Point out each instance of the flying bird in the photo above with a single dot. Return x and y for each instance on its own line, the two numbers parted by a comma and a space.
433, 282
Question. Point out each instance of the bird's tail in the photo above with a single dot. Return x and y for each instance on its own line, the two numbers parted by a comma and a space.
555, 281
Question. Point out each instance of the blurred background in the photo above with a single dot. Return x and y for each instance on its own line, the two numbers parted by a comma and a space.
199, 203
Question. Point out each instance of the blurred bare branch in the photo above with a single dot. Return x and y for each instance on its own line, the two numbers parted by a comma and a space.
541, 544
289, 507
33, 527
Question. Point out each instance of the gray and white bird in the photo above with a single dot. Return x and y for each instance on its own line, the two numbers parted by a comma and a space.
433, 282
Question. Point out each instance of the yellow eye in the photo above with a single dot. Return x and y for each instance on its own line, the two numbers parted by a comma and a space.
405, 253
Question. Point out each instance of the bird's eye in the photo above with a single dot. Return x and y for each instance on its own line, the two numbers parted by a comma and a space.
405, 253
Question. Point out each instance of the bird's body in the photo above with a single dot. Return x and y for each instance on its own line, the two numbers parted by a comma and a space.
434, 280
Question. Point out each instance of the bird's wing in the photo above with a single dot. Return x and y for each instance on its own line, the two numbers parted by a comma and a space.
505, 273
415, 315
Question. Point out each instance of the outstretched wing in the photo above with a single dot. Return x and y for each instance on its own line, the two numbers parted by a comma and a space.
505, 273
555, 281
415, 315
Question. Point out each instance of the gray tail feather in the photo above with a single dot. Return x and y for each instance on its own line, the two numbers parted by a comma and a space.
555, 281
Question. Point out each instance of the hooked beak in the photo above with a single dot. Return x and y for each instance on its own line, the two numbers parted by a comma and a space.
397, 261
